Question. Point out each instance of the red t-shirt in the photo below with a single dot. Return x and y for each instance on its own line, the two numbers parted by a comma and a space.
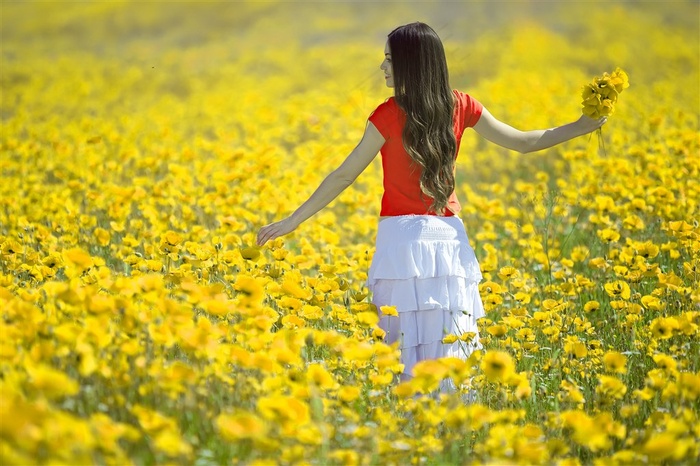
402, 193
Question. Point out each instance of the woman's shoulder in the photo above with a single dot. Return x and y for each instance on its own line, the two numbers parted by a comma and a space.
387, 107
466, 100
462, 96
468, 106
389, 102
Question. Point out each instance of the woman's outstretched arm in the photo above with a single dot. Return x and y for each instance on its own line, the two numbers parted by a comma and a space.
531, 141
331, 187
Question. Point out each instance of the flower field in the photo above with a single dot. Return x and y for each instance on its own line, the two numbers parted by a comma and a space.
144, 144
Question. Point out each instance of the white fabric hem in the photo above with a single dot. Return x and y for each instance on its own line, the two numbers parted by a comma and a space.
425, 268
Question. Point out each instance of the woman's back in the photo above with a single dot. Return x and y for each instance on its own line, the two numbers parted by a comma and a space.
402, 190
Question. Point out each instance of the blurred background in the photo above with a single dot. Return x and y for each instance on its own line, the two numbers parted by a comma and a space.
650, 39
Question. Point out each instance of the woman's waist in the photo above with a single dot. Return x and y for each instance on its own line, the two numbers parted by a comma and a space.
409, 216
420, 227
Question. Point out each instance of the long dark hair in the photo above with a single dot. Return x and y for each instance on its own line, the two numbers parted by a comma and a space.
422, 90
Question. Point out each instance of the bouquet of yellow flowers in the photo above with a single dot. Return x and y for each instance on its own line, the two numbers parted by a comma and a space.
599, 96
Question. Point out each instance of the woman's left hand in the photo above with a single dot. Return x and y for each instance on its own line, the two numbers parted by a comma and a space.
275, 230
588, 124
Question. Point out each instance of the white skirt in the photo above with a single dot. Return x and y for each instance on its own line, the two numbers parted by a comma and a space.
424, 266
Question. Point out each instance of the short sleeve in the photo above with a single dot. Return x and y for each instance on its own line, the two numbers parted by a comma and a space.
472, 109
381, 118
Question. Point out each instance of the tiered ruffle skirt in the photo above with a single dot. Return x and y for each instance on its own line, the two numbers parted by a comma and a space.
424, 266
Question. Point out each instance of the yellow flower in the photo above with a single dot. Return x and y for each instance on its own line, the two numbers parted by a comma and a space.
250, 290
378, 333
357, 351
608, 235
319, 376
663, 328
648, 250
152, 421
347, 457
292, 286
660, 447
591, 306
586, 431
576, 348
287, 302
53, 260
628, 411
619, 79
618, 289
310, 312
497, 366
11, 247
110, 432
690, 385
51, 383
284, 409
610, 388
389, 311
523, 297
102, 236
348, 394
367, 318
497, 330
292, 321
280, 254
571, 393
428, 374
506, 273
404, 389
217, 307
235, 427
633, 222
78, 258
489, 287
615, 362
652, 302
250, 253
590, 95
609, 94
172, 444
592, 111
665, 362
449, 339
523, 388
606, 108
100, 304
656, 379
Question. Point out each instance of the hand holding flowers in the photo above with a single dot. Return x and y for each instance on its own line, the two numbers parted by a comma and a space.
587, 124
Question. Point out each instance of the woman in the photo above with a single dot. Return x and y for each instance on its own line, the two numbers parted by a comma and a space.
423, 264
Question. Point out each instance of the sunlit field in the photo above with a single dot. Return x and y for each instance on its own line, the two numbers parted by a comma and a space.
144, 144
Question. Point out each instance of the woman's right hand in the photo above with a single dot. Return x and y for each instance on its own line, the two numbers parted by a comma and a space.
275, 230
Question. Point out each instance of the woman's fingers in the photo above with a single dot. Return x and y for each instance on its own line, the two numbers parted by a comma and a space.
264, 234
274, 230
591, 124
269, 232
